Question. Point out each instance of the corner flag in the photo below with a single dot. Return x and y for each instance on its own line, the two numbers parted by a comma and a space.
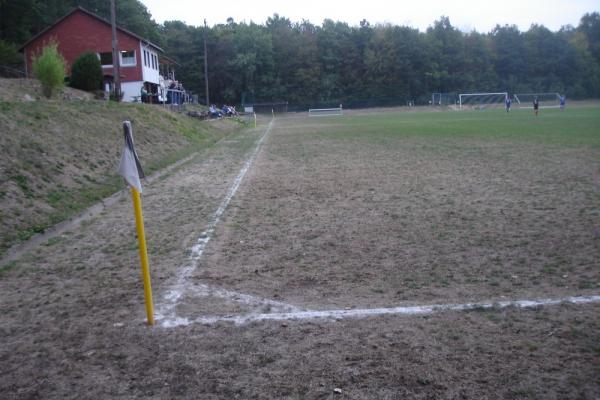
130, 167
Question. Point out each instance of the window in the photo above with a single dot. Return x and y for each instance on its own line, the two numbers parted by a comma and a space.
128, 58
145, 58
106, 59
154, 61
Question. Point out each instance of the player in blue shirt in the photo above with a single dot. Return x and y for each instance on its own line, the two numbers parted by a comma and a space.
563, 101
507, 103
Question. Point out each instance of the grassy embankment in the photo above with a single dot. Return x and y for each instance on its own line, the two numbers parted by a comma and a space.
59, 157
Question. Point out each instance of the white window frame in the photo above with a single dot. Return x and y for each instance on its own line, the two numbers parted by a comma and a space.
123, 64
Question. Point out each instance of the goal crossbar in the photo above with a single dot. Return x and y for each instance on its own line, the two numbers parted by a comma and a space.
324, 112
545, 100
487, 95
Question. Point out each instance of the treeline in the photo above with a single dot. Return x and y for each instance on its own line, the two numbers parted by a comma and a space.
307, 64
330, 63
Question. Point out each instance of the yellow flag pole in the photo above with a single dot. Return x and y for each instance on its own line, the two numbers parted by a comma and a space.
139, 223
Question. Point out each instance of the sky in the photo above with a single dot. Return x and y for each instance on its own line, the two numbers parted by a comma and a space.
467, 15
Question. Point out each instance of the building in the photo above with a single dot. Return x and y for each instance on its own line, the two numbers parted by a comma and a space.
81, 31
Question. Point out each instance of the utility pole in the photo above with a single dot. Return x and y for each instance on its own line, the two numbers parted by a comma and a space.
206, 66
115, 53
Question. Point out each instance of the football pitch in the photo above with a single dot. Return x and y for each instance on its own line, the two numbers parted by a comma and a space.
379, 210
382, 254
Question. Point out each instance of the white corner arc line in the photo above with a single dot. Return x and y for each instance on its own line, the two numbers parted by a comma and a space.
371, 312
166, 311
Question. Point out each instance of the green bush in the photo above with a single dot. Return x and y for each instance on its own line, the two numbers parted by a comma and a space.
86, 72
9, 53
49, 69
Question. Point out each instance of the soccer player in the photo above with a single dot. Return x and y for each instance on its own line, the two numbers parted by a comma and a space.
536, 105
563, 100
507, 103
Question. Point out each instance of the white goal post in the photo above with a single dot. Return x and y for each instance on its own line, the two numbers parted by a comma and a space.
545, 100
325, 112
482, 100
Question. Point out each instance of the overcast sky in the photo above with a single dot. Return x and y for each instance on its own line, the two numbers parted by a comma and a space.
481, 15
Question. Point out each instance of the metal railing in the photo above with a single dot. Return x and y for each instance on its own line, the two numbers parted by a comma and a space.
11, 71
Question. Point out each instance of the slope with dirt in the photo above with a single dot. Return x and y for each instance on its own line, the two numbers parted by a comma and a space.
60, 156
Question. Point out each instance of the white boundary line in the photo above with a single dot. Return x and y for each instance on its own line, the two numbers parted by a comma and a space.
168, 318
166, 314
370, 312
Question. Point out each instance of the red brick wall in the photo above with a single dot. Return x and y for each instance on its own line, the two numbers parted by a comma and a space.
80, 32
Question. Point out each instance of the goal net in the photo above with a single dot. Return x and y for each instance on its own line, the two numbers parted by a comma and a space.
324, 112
443, 99
545, 100
480, 101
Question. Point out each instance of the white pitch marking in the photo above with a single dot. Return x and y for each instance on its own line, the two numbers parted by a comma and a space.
369, 312
257, 302
166, 313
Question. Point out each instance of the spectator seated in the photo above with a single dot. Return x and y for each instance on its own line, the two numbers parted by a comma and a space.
214, 112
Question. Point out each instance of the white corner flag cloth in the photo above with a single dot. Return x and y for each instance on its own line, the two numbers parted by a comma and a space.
130, 167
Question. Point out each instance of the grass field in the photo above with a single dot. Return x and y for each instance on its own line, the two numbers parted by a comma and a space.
371, 210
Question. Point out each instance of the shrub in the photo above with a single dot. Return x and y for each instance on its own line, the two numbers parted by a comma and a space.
86, 72
49, 69
9, 53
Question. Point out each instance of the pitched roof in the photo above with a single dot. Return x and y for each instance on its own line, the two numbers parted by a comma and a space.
99, 18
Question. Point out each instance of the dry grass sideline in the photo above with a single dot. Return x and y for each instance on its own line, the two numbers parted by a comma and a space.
31, 90
60, 156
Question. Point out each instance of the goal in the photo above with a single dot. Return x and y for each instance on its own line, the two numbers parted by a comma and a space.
325, 112
480, 101
545, 100
443, 99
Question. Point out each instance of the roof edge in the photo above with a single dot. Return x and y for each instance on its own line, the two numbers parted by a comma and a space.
91, 14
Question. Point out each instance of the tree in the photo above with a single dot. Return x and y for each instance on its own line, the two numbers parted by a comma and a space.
184, 45
49, 68
8, 53
447, 51
590, 27
479, 66
86, 72
509, 54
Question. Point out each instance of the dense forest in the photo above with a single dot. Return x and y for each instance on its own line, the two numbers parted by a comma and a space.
331, 63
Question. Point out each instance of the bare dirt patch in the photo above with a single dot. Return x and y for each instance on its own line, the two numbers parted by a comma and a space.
541, 354
335, 221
